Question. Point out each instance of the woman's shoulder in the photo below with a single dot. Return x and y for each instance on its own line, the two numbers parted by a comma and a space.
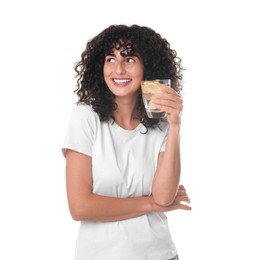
82, 108
84, 112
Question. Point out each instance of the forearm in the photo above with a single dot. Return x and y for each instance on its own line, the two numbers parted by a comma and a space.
101, 208
167, 176
84, 205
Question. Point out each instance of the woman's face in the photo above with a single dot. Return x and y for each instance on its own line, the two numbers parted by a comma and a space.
123, 75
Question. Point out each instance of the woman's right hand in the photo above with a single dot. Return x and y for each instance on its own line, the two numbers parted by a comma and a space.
181, 196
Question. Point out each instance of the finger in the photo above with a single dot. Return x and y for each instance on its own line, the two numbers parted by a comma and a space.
171, 109
182, 198
167, 100
185, 199
181, 187
168, 96
170, 90
168, 105
182, 206
181, 192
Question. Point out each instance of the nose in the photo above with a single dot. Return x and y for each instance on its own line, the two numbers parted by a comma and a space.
120, 68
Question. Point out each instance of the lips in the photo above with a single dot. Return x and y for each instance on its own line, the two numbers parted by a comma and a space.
121, 82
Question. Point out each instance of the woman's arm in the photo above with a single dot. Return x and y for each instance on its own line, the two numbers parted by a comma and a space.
84, 205
167, 176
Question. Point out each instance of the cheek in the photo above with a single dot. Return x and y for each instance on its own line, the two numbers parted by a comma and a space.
106, 75
140, 70
107, 68
140, 73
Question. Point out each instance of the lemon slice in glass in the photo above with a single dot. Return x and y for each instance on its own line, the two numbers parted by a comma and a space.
151, 87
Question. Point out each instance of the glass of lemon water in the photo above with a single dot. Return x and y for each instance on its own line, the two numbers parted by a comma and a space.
150, 87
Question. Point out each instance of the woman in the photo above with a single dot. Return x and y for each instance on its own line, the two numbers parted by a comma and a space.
123, 168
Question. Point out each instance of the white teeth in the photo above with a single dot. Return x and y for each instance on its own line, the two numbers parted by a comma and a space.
121, 80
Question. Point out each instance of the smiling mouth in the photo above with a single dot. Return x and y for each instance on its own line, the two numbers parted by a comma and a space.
121, 81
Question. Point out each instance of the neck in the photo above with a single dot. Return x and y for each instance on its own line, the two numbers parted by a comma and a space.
125, 114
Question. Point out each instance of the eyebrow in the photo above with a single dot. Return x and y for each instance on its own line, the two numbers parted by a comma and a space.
111, 54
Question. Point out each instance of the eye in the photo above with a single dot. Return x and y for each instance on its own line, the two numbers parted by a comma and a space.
110, 60
130, 60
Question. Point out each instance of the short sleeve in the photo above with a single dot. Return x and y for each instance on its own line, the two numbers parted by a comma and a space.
81, 131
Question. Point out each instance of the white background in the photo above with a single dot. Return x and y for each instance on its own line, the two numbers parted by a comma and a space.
218, 42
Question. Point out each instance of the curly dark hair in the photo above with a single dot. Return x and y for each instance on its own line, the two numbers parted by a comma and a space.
159, 61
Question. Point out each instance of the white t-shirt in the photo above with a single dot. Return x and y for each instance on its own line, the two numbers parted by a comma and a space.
123, 165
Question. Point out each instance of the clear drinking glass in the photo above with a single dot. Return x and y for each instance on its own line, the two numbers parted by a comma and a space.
150, 87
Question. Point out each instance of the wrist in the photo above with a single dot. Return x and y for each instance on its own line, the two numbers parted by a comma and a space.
150, 204
174, 120
174, 129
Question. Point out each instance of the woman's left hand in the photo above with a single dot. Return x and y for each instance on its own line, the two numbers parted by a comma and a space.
181, 201
170, 101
